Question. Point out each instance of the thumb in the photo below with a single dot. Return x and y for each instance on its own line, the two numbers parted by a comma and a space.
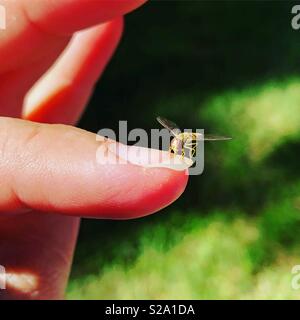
62, 169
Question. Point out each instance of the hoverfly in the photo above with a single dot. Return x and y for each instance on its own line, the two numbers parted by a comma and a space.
186, 141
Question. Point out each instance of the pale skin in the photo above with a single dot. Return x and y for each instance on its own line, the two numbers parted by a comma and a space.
49, 177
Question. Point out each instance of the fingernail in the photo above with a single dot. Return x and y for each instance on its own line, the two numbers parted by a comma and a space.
149, 158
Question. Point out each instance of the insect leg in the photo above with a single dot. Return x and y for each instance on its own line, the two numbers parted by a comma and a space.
182, 153
192, 150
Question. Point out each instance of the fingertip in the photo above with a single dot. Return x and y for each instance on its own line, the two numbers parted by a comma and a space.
152, 191
65, 17
170, 186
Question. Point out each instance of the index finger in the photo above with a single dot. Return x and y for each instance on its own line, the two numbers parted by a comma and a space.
66, 170
36, 28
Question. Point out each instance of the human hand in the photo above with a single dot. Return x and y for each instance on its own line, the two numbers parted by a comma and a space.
49, 174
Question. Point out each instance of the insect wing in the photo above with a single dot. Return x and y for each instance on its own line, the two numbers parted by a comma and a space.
208, 137
212, 137
171, 126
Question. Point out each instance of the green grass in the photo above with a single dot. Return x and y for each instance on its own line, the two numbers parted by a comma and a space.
211, 261
234, 234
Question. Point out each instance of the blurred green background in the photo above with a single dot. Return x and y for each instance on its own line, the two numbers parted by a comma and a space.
232, 68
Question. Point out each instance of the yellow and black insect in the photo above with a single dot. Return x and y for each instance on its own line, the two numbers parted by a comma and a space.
186, 141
